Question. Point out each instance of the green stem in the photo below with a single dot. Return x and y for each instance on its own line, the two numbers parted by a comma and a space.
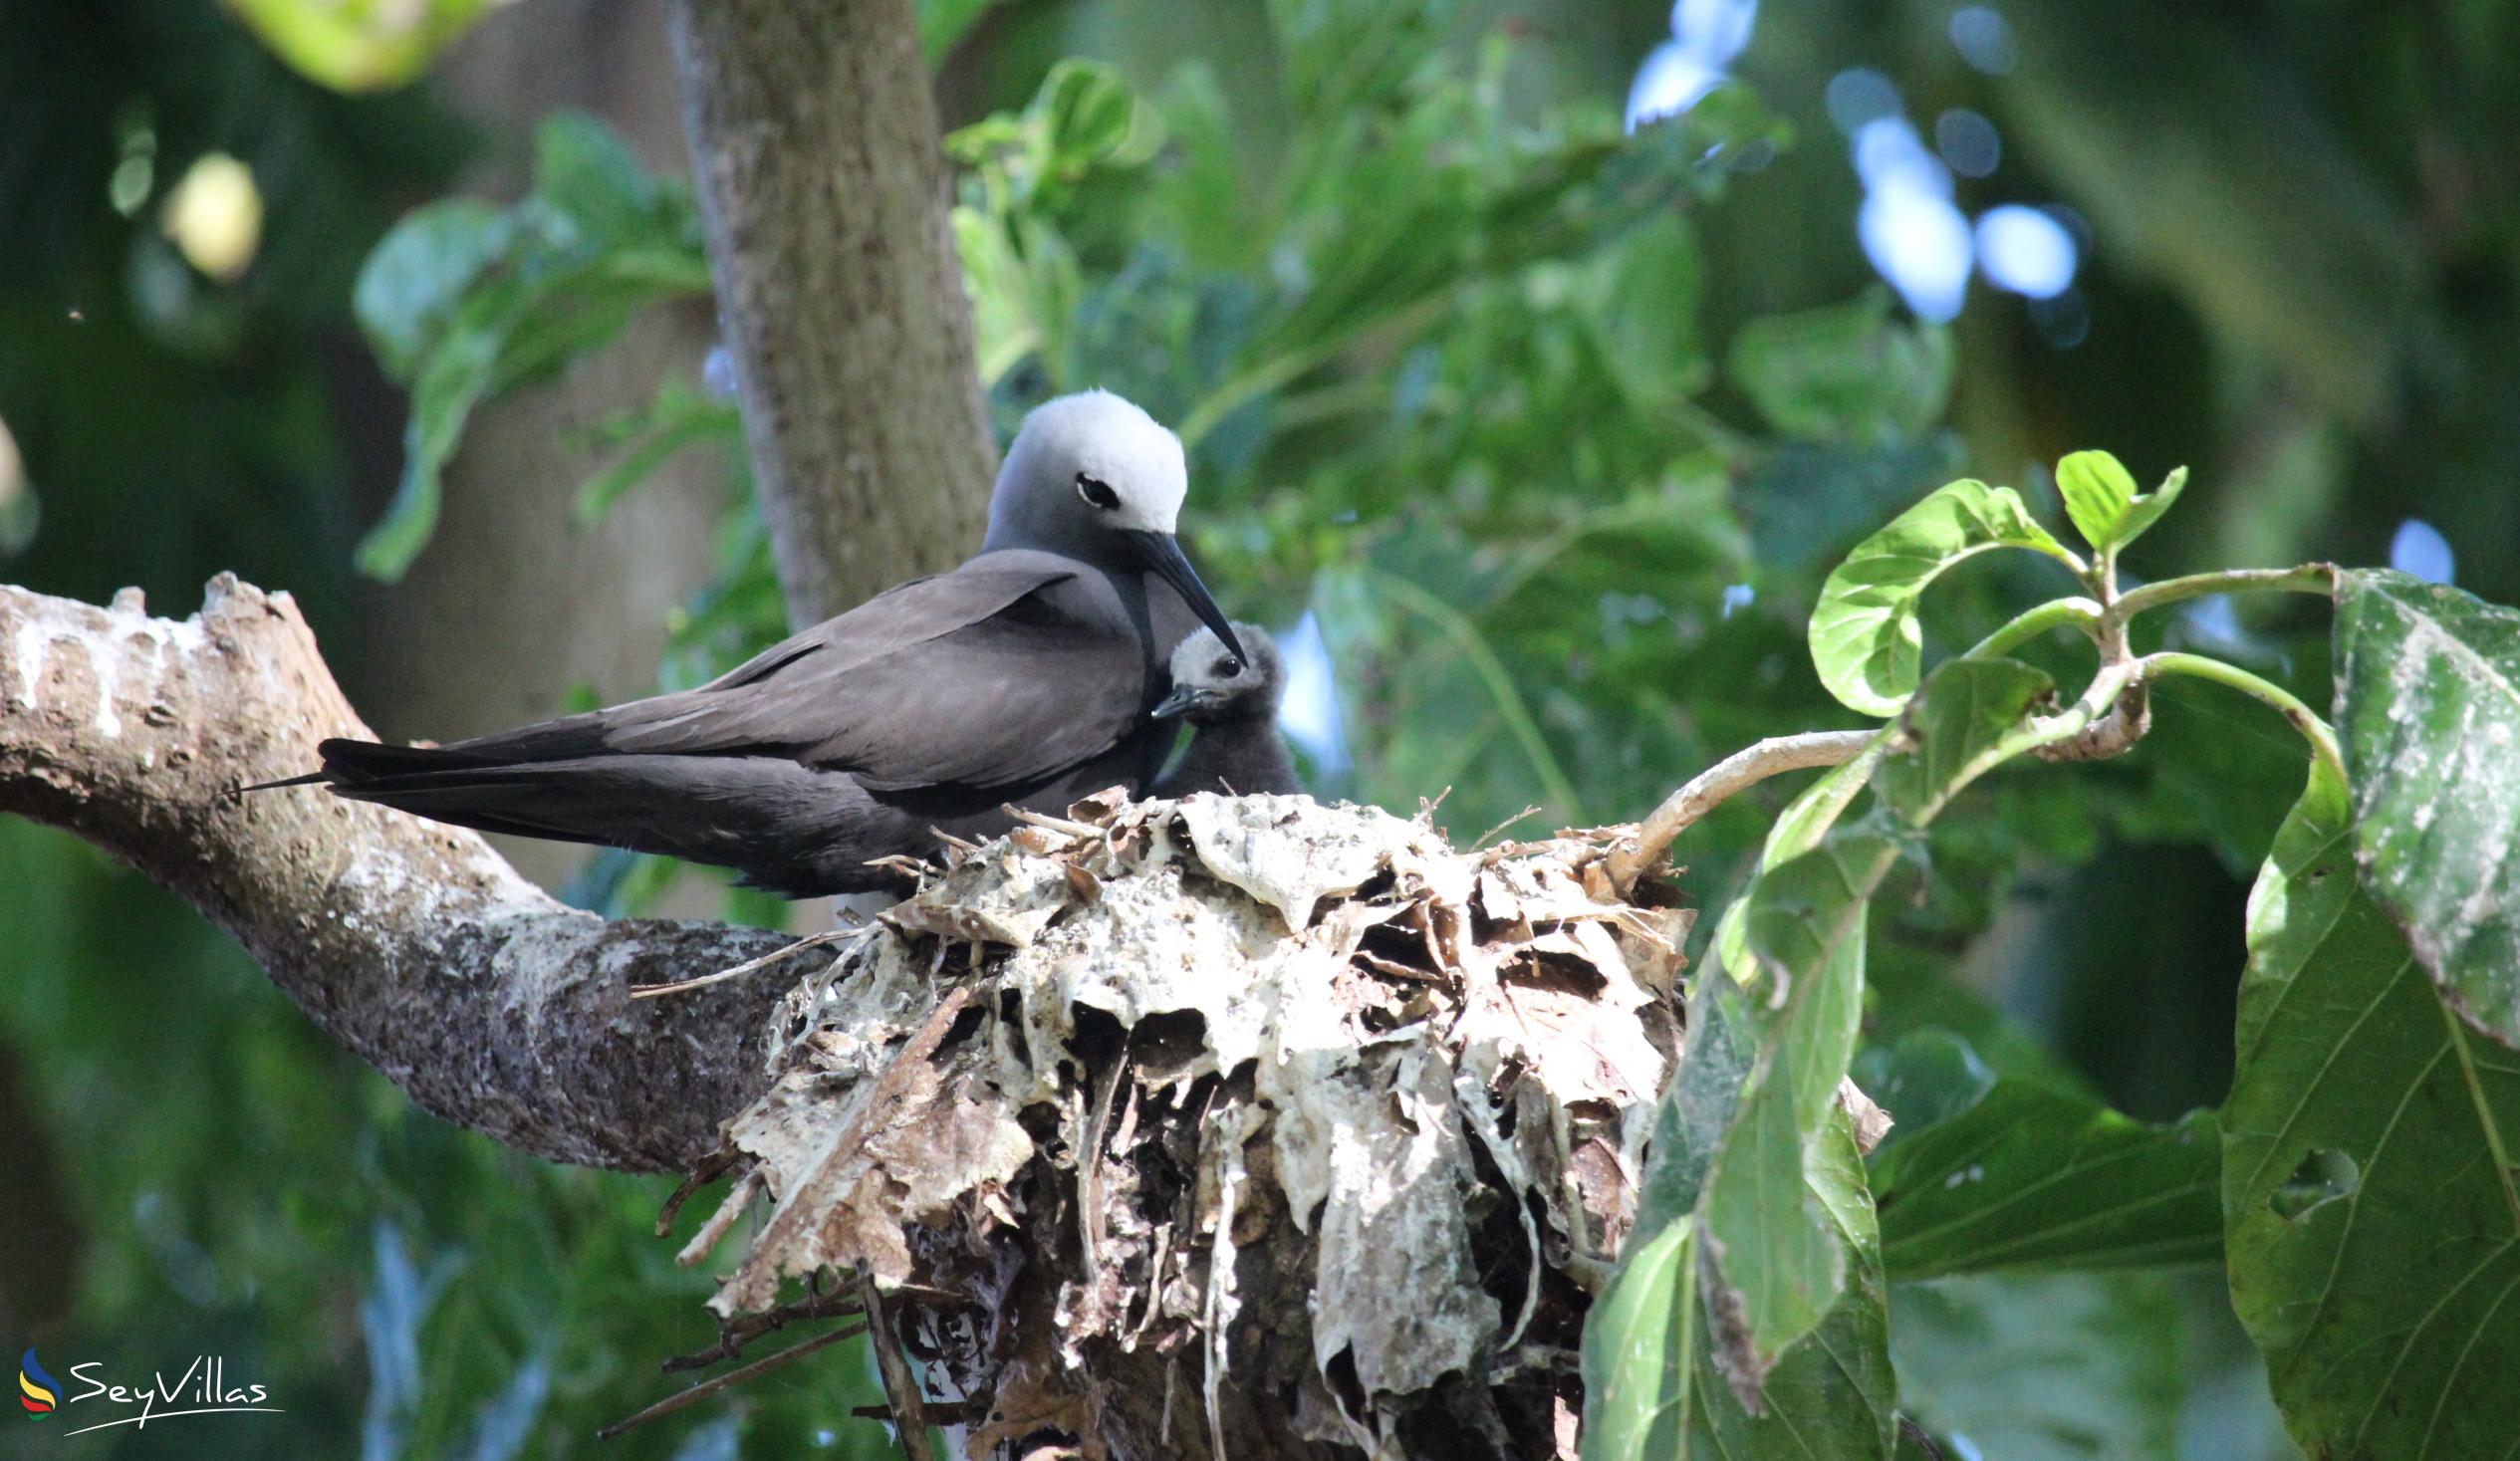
2309, 578
2056, 613
1499, 681
2321, 739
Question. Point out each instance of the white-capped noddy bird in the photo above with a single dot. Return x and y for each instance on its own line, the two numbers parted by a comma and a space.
1027, 675
1230, 701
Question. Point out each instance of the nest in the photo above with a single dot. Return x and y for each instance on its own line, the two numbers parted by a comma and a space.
1226, 1127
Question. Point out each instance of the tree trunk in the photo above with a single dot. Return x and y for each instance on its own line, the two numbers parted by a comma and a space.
815, 152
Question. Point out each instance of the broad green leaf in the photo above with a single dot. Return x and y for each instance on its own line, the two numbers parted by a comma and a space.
1848, 372
2043, 1367
1971, 718
2097, 488
2147, 507
1090, 117
678, 418
1638, 1341
1653, 1392
1805, 934
1695, 1112
1986, 1172
2100, 496
1807, 817
466, 304
2428, 716
1774, 1261
1802, 921
585, 173
412, 282
359, 45
1864, 639
2373, 1231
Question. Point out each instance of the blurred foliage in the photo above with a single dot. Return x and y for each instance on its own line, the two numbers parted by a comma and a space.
464, 300
359, 45
1554, 434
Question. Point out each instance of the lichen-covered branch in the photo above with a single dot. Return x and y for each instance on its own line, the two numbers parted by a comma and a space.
415, 945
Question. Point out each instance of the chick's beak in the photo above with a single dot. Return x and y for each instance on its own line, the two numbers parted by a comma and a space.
1162, 554
1177, 703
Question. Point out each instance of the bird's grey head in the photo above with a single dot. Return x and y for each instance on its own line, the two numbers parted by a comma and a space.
1094, 477
1083, 467
1210, 683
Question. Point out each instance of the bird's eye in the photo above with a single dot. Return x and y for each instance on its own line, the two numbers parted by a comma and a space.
1096, 492
1227, 668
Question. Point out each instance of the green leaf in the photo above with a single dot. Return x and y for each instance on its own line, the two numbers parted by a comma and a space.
1653, 1391
1969, 720
1089, 113
1804, 930
678, 418
1638, 1359
586, 172
1846, 372
1864, 639
2100, 497
2097, 488
1775, 1265
412, 282
466, 302
2147, 507
359, 45
1986, 1172
2428, 717
2374, 1235
2062, 1367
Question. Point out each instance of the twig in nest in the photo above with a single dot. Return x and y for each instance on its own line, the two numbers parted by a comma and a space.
959, 844
708, 1387
733, 1335
1737, 772
939, 1412
812, 941
723, 1219
1082, 830
707, 1172
1527, 812
901, 1387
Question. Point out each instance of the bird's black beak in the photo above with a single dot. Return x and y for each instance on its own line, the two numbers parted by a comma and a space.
1181, 699
1162, 554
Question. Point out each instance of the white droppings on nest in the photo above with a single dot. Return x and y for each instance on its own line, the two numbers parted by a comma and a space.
34, 638
1413, 1031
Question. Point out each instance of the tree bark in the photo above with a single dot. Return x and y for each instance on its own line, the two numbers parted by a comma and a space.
814, 151
414, 944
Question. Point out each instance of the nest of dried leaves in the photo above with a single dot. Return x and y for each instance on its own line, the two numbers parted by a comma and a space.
1240, 1126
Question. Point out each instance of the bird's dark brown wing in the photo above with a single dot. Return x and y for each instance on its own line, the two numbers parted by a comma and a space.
1008, 670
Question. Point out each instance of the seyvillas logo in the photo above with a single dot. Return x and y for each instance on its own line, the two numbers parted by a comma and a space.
204, 1389
37, 1391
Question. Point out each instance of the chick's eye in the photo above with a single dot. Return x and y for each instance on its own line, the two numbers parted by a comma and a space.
1226, 669
1096, 492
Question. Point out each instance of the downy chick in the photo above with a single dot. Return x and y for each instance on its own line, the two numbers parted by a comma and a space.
1232, 709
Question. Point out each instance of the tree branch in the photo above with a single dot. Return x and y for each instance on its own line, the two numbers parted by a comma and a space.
1708, 789
415, 945
814, 148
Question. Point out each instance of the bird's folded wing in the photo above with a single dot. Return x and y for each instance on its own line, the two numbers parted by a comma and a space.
983, 677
